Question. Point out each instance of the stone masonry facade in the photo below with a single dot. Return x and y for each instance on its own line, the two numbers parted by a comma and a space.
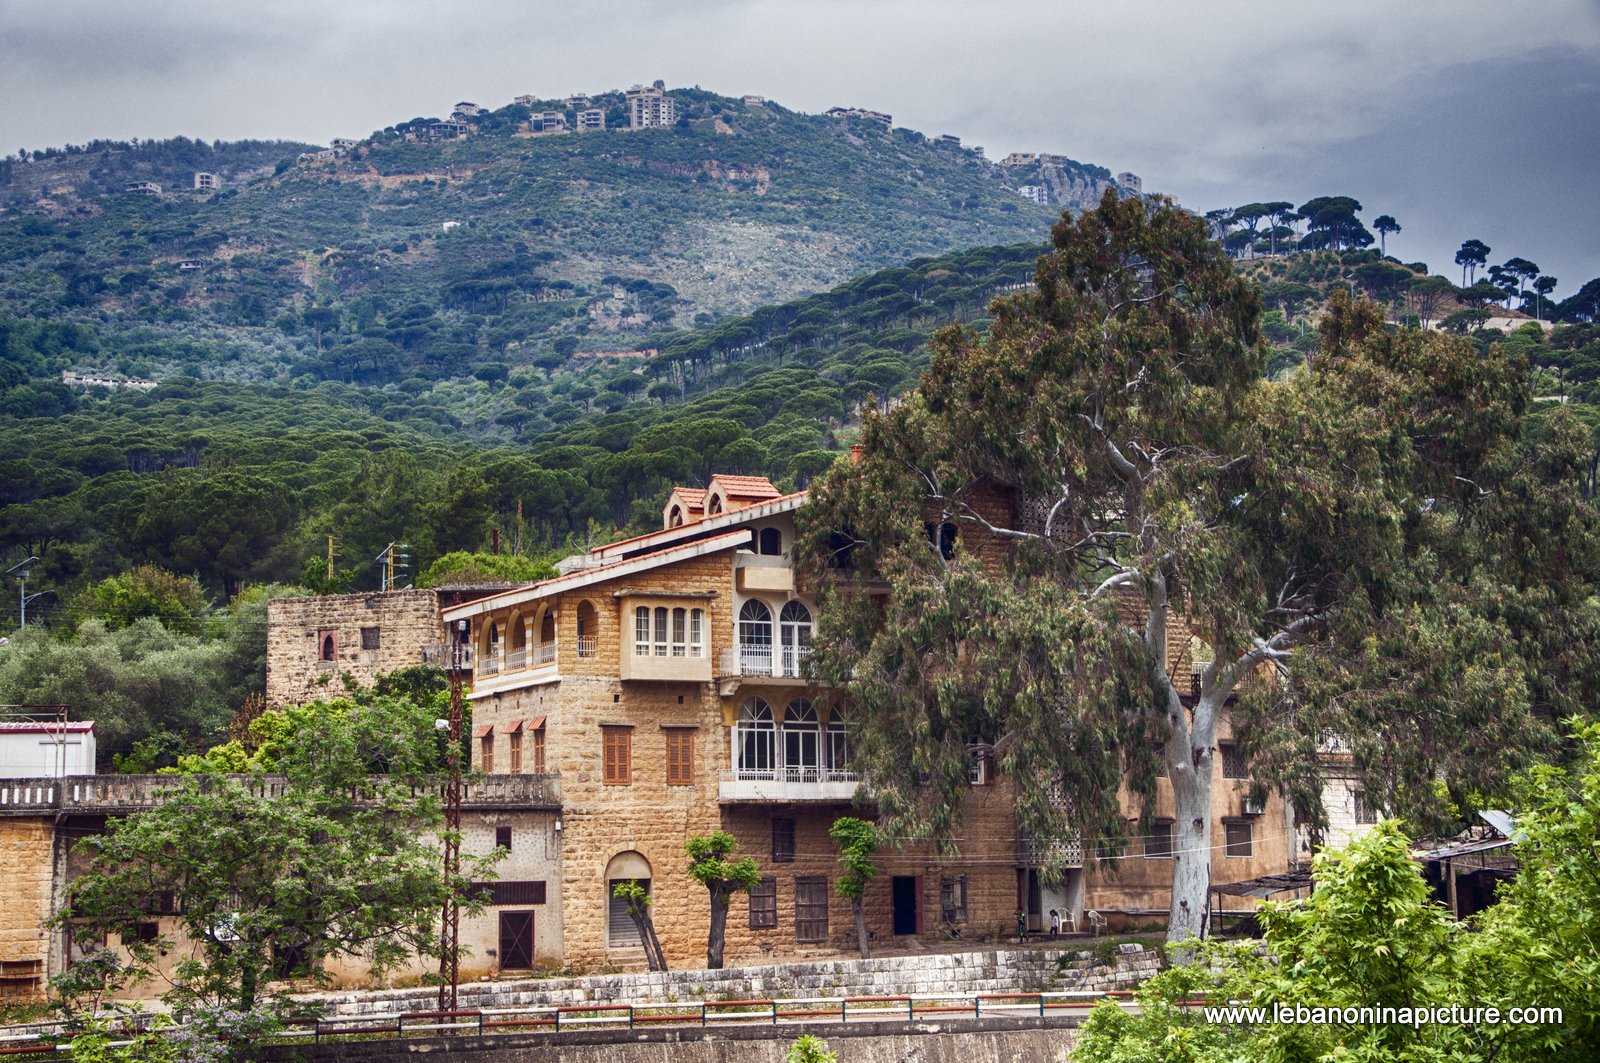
314, 644
26, 864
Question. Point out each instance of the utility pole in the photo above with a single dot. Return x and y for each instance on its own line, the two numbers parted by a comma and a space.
20, 570
390, 559
450, 925
332, 553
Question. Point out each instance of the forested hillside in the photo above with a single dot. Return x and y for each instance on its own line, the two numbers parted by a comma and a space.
423, 260
242, 482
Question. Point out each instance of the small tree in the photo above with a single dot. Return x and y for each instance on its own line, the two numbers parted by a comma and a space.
857, 840
1385, 224
637, 899
709, 865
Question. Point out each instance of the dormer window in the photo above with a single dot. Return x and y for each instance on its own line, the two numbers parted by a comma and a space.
713, 505
675, 517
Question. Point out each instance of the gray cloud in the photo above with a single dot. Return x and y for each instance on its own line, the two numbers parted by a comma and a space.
1462, 118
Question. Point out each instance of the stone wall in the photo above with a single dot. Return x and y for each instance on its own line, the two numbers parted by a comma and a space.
996, 1040
404, 622
26, 866
995, 971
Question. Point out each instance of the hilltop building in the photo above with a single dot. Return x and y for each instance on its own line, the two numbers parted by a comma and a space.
1130, 183
525, 100
551, 121
862, 113
466, 109
142, 188
445, 131
591, 119
342, 143
650, 108
1038, 193
206, 182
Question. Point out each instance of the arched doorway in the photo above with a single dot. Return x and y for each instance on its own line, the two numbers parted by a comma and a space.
588, 629
629, 866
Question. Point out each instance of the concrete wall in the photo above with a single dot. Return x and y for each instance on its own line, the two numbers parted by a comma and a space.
1007, 1040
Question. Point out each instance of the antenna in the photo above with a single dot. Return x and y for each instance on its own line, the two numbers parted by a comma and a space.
391, 560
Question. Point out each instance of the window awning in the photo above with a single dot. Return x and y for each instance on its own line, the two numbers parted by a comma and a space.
482, 730
536, 724
513, 727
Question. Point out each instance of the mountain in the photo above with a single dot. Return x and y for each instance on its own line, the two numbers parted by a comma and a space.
403, 256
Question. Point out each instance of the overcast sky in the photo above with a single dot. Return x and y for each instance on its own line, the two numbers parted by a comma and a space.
1462, 118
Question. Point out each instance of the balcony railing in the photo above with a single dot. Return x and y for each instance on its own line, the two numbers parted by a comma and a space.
544, 653
588, 645
779, 785
130, 793
1032, 852
539, 655
758, 660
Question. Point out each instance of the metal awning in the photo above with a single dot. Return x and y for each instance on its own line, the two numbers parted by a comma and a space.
1266, 885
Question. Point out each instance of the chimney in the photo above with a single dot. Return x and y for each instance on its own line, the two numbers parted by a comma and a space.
857, 450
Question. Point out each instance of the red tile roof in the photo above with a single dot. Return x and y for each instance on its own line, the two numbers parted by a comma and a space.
746, 486
693, 496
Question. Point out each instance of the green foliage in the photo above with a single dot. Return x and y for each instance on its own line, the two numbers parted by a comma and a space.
809, 1048
1370, 936
146, 591
857, 841
709, 863
461, 566
339, 863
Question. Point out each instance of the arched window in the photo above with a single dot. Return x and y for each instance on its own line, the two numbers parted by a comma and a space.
836, 747
755, 638
675, 517
588, 629
328, 647
754, 740
770, 542
801, 738
794, 635
713, 505
630, 866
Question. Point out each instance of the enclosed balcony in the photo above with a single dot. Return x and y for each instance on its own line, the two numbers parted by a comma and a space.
665, 642
799, 760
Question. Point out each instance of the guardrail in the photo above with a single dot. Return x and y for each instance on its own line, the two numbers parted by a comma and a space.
574, 1018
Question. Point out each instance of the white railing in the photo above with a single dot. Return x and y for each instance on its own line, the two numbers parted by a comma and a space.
588, 645
489, 664
515, 661
441, 655
793, 657
796, 774
544, 653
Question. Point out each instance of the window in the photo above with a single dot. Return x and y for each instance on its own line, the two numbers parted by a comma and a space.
755, 740
680, 756
801, 741
836, 741
770, 542
810, 909
1158, 844
660, 631
713, 505
764, 905
978, 771
794, 632
1239, 837
588, 625
145, 933
502, 838
1365, 813
502, 893
1233, 761
328, 645
675, 517
486, 752
953, 898
782, 840
755, 637
515, 752
369, 638
538, 749
617, 753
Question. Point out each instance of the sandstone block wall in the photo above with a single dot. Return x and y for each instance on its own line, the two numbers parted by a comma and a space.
406, 621
26, 867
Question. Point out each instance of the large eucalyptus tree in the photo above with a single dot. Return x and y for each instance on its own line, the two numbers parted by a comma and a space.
1158, 485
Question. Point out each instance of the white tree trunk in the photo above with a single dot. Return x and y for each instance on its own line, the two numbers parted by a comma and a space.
1191, 834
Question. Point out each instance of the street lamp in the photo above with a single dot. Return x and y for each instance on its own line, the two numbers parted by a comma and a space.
20, 570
